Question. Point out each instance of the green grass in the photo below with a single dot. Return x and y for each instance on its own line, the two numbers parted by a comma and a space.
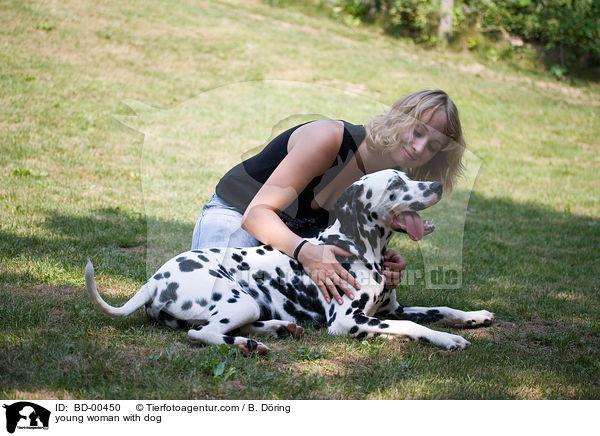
87, 170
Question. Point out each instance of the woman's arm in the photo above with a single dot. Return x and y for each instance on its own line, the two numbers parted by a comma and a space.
312, 150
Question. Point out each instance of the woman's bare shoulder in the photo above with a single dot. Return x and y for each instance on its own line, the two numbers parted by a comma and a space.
323, 134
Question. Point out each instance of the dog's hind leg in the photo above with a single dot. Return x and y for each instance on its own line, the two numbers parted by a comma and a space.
227, 317
274, 327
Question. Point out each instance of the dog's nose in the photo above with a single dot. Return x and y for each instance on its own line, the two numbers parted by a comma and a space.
437, 188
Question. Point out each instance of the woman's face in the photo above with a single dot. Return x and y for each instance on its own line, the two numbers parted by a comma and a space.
421, 142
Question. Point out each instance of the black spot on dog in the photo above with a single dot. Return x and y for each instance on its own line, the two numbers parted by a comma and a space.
361, 335
170, 293
397, 183
225, 273
229, 340
268, 248
407, 197
215, 296
186, 305
216, 274
252, 345
369, 194
377, 277
232, 300
170, 321
158, 276
203, 258
189, 265
332, 319
303, 317
261, 275
353, 330
215, 250
180, 259
260, 251
224, 321
167, 274
237, 257
392, 197
202, 302
361, 302
243, 266
360, 319
265, 312
258, 324
282, 332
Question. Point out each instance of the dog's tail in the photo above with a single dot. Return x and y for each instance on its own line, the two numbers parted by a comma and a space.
137, 301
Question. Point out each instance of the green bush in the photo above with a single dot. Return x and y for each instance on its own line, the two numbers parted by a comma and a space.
567, 29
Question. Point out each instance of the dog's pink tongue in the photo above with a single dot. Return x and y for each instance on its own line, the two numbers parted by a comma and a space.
412, 223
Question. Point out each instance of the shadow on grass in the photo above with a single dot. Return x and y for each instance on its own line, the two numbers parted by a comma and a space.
115, 239
534, 267
532, 261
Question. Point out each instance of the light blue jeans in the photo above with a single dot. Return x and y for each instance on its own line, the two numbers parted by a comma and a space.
220, 225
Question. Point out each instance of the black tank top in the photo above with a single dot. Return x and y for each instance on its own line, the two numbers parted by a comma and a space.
239, 186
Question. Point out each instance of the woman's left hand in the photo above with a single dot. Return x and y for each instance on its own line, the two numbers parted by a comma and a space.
393, 266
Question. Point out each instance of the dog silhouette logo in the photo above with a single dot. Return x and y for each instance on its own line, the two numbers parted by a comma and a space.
26, 415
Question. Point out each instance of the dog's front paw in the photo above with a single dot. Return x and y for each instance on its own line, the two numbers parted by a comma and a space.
253, 347
448, 340
478, 318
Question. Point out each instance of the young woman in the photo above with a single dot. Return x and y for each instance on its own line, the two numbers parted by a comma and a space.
286, 192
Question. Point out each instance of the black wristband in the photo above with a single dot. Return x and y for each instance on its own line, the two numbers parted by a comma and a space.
297, 250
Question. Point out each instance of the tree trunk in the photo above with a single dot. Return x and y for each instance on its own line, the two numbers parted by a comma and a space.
445, 29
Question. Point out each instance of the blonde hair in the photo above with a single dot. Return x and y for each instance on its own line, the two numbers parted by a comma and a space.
384, 133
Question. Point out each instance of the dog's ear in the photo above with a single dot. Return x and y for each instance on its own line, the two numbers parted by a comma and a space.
397, 183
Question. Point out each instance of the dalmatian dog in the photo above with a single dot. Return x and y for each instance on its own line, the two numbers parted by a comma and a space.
223, 295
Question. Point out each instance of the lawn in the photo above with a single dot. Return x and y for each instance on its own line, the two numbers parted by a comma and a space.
119, 118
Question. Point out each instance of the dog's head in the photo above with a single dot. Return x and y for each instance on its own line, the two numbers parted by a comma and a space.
387, 200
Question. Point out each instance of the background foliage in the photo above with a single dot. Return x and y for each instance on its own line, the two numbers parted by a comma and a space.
566, 32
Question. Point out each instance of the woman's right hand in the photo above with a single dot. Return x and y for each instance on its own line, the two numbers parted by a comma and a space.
320, 264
